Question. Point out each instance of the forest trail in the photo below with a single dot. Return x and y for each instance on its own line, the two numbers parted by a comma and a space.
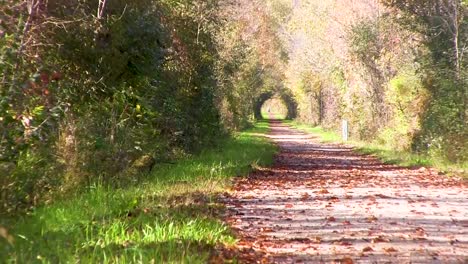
326, 203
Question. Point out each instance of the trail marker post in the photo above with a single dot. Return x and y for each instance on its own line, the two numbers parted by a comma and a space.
344, 130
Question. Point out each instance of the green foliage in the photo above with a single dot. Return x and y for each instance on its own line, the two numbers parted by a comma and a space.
169, 215
97, 93
444, 132
407, 98
364, 41
444, 68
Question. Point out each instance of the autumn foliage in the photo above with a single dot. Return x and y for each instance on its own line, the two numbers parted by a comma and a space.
93, 89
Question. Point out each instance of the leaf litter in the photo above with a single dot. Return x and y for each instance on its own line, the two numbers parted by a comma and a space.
326, 203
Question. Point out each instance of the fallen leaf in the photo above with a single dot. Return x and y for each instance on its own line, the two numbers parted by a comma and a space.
371, 219
367, 249
380, 239
311, 247
305, 196
346, 260
4, 233
382, 196
420, 231
323, 191
390, 250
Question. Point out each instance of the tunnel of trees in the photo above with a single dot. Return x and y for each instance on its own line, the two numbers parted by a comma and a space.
287, 99
94, 90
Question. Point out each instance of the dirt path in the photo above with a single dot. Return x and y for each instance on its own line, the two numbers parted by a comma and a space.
326, 203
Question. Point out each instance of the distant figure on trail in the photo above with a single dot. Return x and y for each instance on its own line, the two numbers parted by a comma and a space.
268, 110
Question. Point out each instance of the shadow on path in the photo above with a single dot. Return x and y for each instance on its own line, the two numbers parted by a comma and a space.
325, 203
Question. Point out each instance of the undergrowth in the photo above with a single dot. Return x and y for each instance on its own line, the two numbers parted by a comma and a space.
170, 215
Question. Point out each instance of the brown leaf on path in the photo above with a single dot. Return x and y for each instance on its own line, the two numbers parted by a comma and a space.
367, 249
343, 242
305, 196
382, 196
380, 239
331, 219
266, 229
420, 231
288, 206
371, 219
346, 260
323, 191
310, 247
390, 250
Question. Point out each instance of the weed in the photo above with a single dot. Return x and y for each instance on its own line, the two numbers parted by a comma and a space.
169, 215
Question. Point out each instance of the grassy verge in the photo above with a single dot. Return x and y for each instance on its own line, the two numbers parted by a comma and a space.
266, 115
326, 136
170, 216
386, 154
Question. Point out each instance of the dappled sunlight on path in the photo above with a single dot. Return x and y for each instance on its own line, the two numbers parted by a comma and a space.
326, 203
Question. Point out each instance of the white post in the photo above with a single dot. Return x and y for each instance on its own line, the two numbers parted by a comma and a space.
344, 130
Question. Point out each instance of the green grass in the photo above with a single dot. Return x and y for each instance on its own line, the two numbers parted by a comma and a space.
325, 136
406, 158
275, 115
386, 154
168, 216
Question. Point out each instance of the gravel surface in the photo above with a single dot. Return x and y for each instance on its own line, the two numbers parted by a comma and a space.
326, 203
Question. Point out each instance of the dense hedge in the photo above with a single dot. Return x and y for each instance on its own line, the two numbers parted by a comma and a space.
89, 88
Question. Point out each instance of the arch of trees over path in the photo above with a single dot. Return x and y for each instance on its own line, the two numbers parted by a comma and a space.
95, 86
286, 98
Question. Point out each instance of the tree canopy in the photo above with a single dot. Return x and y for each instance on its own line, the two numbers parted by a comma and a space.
89, 88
